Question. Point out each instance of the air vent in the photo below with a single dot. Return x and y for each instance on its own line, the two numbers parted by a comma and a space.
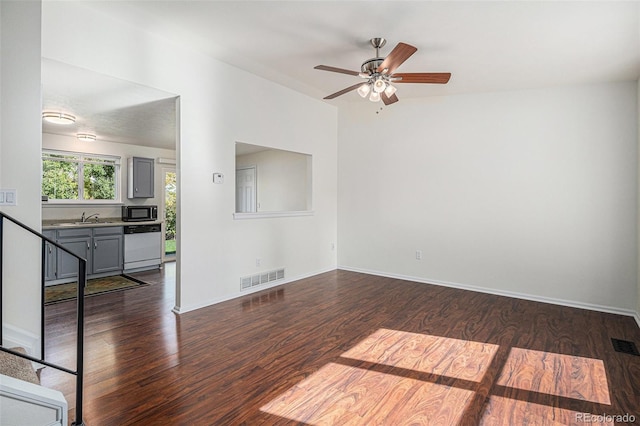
625, 347
261, 278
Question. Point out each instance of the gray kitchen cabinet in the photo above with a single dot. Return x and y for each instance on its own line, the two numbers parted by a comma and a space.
77, 241
50, 256
101, 246
107, 249
140, 177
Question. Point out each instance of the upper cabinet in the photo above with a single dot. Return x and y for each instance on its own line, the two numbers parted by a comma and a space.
140, 177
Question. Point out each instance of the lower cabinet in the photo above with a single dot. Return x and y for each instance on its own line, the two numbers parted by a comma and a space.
101, 246
79, 245
107, 249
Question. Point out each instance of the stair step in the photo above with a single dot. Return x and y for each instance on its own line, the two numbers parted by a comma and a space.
18, 368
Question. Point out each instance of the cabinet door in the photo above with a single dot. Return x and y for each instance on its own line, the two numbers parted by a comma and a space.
107, 254
141, 178
67, 264
50, 257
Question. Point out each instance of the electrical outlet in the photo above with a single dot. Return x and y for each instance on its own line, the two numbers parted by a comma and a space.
258, 261
418, 254
333, 246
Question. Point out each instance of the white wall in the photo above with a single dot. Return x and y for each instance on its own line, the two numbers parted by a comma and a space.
638, 111
124, 151
530, 193
214, 250
20, 142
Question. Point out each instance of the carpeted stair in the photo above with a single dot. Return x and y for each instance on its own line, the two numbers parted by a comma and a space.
16, 367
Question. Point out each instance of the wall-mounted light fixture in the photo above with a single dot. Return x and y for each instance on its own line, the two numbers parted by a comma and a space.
58, 117
86, 137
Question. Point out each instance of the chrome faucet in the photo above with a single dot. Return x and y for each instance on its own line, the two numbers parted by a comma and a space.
85, 219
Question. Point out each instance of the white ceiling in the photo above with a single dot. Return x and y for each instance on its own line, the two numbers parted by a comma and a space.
111, 109
487, 46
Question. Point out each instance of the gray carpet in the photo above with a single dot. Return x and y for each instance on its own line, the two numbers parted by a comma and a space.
16, 367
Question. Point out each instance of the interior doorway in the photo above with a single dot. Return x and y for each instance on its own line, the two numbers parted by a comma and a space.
246, 190
169, 213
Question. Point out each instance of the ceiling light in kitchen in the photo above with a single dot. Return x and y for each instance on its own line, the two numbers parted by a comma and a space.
86, 137
58, 117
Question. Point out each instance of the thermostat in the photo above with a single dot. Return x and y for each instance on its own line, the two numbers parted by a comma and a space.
218, 178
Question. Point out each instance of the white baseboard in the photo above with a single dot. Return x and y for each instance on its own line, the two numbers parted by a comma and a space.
16, 337
516, 295
183, 309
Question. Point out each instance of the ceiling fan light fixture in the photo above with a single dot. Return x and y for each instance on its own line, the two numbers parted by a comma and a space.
58, 117
379, 85
364, 90
390, 90
86, 137
375, 96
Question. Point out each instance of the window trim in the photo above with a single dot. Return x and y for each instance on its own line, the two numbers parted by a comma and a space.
83, 158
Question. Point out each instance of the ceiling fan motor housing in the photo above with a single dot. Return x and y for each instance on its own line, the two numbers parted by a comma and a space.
370, 66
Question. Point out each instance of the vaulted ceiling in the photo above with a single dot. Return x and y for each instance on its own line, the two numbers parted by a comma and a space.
487, 46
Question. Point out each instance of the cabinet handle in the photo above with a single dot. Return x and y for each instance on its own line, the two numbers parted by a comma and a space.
88, 246
95, 244
49, 249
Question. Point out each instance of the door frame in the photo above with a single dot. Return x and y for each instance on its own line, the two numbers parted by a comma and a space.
163, 171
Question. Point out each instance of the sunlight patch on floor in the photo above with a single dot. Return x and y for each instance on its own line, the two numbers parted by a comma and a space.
556, 374
340, 394
396, 377
460, 359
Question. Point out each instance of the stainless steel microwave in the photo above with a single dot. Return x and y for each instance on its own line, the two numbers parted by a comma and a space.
139, 213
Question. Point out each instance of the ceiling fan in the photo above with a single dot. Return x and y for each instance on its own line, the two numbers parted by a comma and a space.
379, 75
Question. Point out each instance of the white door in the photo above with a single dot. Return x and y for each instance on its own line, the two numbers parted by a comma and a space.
246, 190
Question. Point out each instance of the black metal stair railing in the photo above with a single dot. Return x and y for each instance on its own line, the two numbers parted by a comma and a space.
82, 281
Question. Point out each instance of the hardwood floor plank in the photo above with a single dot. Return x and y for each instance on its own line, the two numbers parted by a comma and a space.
343, 348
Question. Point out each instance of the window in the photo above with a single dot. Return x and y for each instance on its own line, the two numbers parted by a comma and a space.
80, 178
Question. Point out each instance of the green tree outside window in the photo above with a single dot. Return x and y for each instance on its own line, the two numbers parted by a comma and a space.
80, 177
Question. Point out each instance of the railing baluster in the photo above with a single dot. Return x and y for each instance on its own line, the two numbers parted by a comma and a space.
82, 282
42, 278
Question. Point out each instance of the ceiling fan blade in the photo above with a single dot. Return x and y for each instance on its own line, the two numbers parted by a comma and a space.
334, 69
423, 77
398, 55
343, 91
388, 100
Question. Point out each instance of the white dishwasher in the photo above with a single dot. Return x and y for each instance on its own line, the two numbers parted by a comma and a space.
142, 247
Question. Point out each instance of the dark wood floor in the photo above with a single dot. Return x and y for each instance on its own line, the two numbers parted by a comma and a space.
344, 348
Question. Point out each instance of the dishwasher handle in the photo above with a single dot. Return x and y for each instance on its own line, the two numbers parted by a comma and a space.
141, 229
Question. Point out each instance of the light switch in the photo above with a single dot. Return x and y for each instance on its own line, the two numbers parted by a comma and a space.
218, 178
8, 197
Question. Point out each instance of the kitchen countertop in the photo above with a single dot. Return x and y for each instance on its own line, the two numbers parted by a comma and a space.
102, 222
